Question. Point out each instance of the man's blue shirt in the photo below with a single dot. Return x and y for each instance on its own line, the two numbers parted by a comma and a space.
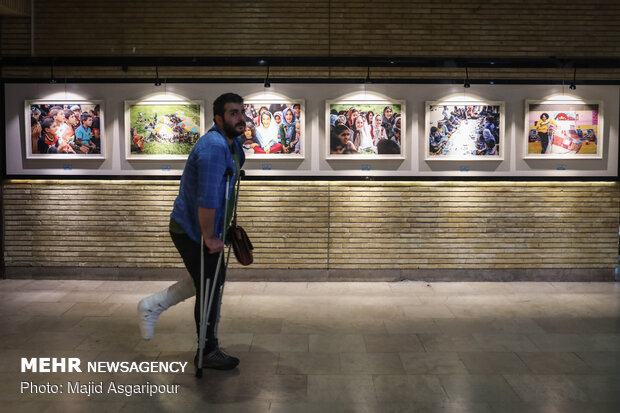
203, 183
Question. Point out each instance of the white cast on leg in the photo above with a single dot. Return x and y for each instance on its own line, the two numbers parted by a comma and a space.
150, 308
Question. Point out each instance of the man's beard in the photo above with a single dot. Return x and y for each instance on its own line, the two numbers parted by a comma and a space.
231, 130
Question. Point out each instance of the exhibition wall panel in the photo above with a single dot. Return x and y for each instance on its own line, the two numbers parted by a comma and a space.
315, 158
321, 230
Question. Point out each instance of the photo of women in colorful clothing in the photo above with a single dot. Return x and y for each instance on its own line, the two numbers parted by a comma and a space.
363, 128
64, 128
463, 131
563, 129
273, 128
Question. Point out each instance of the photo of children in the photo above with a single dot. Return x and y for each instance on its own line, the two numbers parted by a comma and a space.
463, 130
365, 128
162, 129
273, 127
64, 129
563, 129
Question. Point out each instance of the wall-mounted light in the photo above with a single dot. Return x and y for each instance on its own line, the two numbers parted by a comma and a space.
157, 80
466, 85
573, 85
267, 83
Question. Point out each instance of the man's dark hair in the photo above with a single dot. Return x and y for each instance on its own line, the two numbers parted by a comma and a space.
84, 116
220, 102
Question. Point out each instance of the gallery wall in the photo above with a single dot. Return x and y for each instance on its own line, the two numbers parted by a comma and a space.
314, 161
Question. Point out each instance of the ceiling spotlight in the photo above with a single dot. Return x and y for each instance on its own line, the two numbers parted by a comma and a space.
573, 85
157, 80
466, 85
267, 83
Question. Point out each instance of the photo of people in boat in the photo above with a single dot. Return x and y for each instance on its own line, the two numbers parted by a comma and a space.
163, 129
363, 128
558, 129
463, 131
273, 127
65, 128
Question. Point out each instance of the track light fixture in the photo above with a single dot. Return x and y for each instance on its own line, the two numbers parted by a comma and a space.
573, 85
52, 78
157, 80
267, 83
466, 85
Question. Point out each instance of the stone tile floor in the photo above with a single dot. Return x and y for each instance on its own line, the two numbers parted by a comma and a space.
328, 347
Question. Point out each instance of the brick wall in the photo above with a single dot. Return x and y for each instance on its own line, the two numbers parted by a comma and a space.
366, 230
456, 28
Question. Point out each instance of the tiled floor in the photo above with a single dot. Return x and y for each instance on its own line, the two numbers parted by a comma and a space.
328, 347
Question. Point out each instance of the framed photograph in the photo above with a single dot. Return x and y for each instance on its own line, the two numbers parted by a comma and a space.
162, 130
367, 129
563, 129
274, 129
464, 130
64, 129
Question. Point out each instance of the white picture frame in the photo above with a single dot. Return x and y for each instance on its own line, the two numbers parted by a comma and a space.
578, 132
262, 145
162, 129
459, 128
48, 144
367, 144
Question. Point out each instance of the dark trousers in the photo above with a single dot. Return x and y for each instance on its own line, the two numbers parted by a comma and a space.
544, 141
190, 252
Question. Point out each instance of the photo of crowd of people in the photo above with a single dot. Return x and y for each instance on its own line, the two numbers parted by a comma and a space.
163, 129
273, 128
64, 128
562, 129
463, 131
363, 128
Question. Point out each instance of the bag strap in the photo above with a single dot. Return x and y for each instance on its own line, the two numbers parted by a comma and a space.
241, 174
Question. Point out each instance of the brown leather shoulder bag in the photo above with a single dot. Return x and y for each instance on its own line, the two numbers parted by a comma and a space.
239, 239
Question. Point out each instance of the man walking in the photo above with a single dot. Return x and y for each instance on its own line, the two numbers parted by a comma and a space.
199, 212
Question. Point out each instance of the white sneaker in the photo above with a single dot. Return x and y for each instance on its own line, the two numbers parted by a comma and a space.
148, 318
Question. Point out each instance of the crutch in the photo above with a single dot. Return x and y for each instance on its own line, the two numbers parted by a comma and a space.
219, 304
207, 302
